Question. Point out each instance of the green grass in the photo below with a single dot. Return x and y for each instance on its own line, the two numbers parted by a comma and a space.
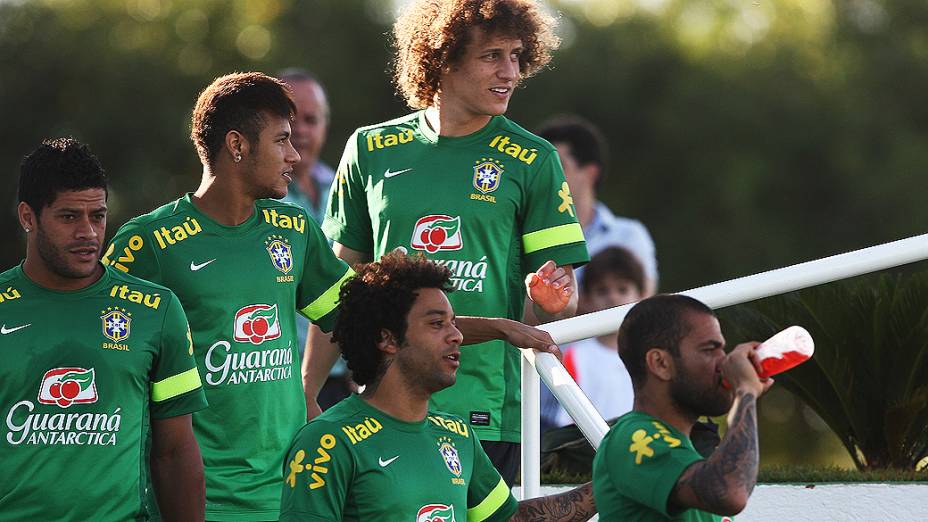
790, 475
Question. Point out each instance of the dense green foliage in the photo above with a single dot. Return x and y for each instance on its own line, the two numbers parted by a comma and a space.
746, 135
868, 379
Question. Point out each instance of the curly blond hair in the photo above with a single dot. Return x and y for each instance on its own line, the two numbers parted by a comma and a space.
429, 35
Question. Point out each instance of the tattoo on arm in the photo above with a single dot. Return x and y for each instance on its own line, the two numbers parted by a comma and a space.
575, 505
731, 469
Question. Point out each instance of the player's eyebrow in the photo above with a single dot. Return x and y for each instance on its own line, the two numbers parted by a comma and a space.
436, 312
712, 344
78, 210
283, 134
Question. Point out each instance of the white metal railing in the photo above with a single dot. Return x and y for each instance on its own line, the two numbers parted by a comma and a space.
717, 295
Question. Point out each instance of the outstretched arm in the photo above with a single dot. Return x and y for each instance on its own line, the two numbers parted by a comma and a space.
575, 505
481, 329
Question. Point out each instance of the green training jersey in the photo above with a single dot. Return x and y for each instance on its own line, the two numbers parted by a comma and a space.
241, 286
636, 467
492, 206
356, 463
82, 373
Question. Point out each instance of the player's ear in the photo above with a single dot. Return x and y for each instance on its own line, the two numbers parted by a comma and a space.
660, 363
236, 145
387, 342
27, 217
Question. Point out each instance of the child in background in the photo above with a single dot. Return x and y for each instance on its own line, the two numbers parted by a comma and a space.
613, 277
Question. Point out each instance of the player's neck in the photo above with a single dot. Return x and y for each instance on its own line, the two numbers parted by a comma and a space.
452, 123
222, 199
664, 410
304, 181
585, 203
39, 273
397, 398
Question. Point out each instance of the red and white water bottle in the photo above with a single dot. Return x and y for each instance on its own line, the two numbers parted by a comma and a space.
785, 350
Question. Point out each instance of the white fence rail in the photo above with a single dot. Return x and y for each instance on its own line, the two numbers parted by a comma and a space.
718, 295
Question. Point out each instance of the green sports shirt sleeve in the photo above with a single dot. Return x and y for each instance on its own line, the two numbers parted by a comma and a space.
488, 496
131, 251
346, 218
175, 382
550, 230
318, 472
641, 462
317, 293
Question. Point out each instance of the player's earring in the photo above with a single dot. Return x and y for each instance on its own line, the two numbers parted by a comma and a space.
27, 229
237, 158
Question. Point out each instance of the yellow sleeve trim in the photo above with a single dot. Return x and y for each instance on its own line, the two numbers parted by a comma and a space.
326, 302
175, 385
549, 237
493, 501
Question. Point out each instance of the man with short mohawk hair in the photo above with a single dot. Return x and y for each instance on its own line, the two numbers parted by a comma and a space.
472, 190
243, 264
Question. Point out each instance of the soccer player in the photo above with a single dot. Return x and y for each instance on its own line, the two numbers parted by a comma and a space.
646, 467
242, 265
384, 455
469, 188
91, 358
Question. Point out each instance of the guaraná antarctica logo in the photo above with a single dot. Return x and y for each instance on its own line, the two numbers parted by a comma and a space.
63, 388
435, 513
437, 232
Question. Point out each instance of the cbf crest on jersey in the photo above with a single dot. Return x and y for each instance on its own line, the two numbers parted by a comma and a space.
450, 455
281, 254
487, 174
117, 324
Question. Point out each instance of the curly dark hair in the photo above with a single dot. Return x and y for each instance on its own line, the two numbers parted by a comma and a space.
379, 297
56, 166
237, 101
660, 321
432, 34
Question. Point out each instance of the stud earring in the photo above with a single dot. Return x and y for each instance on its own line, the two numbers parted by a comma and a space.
238, 158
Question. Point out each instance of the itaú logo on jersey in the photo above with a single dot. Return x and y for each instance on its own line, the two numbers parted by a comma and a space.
437, 232
67, 386
435, 513
256, 323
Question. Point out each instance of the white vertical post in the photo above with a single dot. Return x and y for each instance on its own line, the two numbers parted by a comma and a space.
531, 432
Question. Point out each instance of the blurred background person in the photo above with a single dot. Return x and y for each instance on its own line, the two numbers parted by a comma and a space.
614, 277
309, 189
584, 156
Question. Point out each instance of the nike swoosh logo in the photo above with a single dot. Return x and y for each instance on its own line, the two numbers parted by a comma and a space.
194, 267
4, 330
385, 463
389, 174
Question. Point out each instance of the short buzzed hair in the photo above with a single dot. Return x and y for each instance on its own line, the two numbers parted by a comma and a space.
661, 321
55, 166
